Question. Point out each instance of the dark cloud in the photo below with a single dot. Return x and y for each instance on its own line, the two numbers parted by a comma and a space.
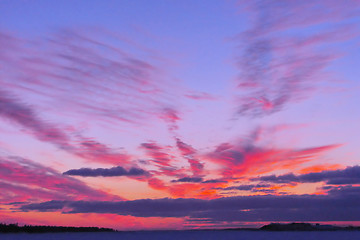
47, 206
245, 208
349, 175
199, 180
106, 172
241, 188
189, 179
286, 178
249, 187
215, 181
347, 190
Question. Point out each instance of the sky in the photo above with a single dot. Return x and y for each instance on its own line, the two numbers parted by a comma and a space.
166, 114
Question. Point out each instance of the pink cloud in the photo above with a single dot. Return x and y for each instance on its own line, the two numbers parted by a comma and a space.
241, 160
25, 116
188, 153
84, 73
200, 96
171, 117
160, 157
278, 67
96, 151
25, 180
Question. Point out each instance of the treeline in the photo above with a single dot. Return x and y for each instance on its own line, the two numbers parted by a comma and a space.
15, 228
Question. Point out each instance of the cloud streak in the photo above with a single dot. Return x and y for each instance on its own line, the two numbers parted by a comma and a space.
188, 153
25, 116
160, 157
89, 73
25, 180
15, 111
279, 68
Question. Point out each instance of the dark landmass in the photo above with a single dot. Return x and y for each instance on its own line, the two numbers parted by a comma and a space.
305, 227
296, 227
15, 228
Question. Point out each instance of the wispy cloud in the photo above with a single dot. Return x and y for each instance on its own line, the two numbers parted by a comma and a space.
279, 66
25, 116
25, 180
160, 157
88, 73
200, 96
22, 114
171, 117
189, 152
95, 151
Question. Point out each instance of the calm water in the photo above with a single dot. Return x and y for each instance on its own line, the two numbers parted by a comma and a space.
189, 235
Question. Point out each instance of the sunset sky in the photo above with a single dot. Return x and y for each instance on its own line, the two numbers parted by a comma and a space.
179, 114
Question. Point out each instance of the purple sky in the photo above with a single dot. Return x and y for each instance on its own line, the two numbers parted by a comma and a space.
179, 114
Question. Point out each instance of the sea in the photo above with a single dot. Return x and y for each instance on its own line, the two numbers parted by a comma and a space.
187, 235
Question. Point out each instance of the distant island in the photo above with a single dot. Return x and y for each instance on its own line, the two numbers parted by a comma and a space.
15, 228
305, 227
297, 227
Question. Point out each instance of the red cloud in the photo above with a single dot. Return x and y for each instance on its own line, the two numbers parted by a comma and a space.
240, 160
319, 168
156, 183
